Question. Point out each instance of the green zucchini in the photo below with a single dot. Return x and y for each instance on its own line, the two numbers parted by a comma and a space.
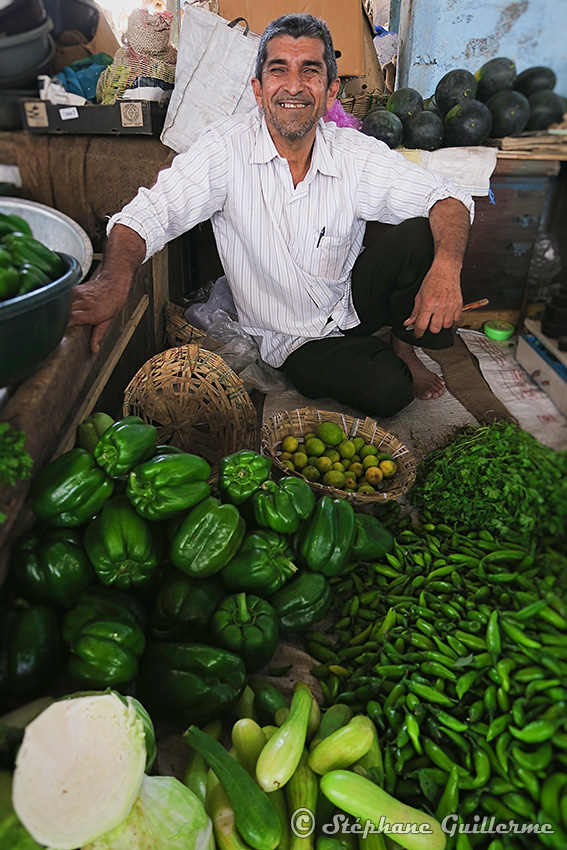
279, 758
255, 816
195, 777
267, 700
362, 799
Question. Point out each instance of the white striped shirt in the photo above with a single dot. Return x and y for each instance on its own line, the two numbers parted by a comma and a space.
287, 252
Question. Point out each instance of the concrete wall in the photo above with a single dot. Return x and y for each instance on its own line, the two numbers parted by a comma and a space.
437, 36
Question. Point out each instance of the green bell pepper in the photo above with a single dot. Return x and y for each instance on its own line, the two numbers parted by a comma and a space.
325, 542
241, 474
302, 602
30, 278
53, 568
29, 648
91, 430
99, 602
26, 250
122, 547
124, 445
9, 282
184, 607
189, 682
70, 490
371, 539
207, 538
283, 506
248, 626
164, 486
10, 223
262, 565
105, 653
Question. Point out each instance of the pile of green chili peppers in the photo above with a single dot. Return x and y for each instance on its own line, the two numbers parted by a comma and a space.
455, 644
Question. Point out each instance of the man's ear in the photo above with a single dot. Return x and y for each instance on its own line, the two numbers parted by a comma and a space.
332, 92
257, 89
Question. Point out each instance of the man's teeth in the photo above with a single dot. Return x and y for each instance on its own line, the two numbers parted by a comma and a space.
293, 105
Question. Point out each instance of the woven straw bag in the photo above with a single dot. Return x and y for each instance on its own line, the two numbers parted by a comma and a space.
178, 331
304, 420
195, 401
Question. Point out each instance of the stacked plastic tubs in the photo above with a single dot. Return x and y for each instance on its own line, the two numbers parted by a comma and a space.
26, 50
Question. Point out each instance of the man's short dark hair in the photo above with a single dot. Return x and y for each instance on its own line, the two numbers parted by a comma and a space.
298, 26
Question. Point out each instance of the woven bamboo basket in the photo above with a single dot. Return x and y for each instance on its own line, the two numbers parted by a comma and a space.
178, 331
304, 420
195, 401
361, 104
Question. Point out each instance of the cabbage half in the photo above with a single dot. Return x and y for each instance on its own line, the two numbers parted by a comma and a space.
80, 768
166, 816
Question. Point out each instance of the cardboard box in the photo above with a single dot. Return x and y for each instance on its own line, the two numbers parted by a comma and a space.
344, 18
127, 116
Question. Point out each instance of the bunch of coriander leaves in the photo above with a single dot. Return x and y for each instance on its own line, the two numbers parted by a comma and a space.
500, 478
15, 462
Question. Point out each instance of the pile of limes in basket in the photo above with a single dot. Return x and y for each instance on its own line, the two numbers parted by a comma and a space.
329, 457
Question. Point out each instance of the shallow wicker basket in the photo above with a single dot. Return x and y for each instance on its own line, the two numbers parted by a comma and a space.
178, 331
195, 401
304, 420
361, 104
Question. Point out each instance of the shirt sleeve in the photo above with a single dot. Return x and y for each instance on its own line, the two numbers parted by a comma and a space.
185, 194
391, 189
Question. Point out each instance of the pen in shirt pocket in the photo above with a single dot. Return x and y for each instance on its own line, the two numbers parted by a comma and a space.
321, 234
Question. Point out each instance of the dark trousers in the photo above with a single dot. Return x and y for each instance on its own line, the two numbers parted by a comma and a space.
358, 369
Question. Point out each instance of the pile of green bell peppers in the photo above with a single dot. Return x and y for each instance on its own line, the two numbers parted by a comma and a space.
25, 263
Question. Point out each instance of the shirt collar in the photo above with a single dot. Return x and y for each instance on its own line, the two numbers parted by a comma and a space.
322, 159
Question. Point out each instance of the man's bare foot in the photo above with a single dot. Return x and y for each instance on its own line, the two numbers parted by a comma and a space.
426, 384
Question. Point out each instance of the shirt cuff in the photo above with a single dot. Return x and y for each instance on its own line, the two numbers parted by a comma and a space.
137, 226
443, 192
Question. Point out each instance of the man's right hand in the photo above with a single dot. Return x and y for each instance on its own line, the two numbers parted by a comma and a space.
97, 301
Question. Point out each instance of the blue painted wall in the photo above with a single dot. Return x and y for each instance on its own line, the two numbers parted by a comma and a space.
437, 36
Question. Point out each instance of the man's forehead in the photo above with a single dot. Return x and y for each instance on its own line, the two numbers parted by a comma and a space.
285, 47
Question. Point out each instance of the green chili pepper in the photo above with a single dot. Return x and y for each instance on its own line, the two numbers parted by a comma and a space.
536, 732
535, 761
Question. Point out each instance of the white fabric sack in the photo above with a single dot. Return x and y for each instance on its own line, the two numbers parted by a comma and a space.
468, 167
215, 64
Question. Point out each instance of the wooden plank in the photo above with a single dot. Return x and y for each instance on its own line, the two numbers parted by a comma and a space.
517, 155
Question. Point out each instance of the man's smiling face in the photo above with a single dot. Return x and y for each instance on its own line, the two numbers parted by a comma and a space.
294, 91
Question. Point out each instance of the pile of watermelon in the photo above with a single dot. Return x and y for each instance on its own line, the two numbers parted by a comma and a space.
467, 108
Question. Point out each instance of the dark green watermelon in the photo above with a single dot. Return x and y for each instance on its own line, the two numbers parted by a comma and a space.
455, 86
433, 107
510, 113
467, 123
384, 126
535, 79
546, 108
404, 103
424, 131
495, 75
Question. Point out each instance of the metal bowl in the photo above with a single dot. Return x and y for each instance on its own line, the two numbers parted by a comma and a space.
19, 53
53, 228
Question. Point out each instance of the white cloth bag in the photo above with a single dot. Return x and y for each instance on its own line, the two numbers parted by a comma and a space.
215, 63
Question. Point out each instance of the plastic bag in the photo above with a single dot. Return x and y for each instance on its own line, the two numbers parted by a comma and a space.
217, 316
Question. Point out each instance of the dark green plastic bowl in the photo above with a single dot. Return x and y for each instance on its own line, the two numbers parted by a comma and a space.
32, 325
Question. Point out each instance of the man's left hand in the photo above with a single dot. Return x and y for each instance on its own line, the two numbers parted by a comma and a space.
439, 301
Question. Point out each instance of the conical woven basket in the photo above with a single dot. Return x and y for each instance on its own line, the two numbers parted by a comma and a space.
195, 401
302, 421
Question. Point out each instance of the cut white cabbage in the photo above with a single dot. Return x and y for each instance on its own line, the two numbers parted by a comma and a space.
166, 816
79, 769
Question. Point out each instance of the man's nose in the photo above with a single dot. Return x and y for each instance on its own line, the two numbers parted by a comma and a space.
294, 82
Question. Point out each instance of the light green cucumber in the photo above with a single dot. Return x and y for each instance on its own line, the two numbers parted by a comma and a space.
221, 813
336, 716
279, 758
195, 777
248, 741
342, 748
301, 793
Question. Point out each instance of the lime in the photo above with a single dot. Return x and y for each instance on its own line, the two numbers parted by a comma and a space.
350, 483
349, 487
300, 460
290, 444
366, 488
302, 448
315, 446
346, 448
286, 456
374, 475
333, 454
356, 469
324, 464
309, 436
311, 473
334, 478
288, 465
312, 460
355, 459
345, 462
384, 456
358, 443
368, 461
330, 433
388, 468
368, 450
339, 467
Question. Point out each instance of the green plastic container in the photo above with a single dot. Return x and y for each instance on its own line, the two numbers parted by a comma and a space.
32, 325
